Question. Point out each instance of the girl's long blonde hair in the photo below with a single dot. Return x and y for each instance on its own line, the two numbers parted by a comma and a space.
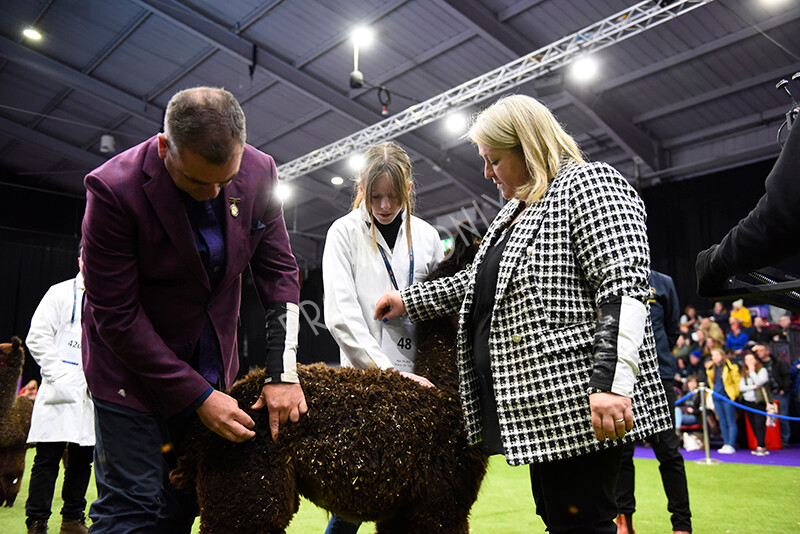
390, 161
520, 121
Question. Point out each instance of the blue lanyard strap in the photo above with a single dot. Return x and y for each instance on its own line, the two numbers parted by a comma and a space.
74, 299
389, 265
391, 271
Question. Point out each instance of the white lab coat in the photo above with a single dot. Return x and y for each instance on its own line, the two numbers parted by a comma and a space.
63, 410
355, 276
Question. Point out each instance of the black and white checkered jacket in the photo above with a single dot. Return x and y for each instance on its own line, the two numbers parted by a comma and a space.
570, 307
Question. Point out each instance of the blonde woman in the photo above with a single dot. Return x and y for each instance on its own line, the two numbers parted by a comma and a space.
723, 378
556, 357
378, 246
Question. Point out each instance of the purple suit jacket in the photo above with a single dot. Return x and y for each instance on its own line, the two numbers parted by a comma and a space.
147, 292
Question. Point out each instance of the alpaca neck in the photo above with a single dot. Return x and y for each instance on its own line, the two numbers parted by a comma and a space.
436, 352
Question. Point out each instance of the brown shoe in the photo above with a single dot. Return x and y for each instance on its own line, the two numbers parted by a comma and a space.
73, 526
37, 526
625, 524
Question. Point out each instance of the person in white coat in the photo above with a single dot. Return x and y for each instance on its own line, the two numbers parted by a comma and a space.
376, 247
63, 416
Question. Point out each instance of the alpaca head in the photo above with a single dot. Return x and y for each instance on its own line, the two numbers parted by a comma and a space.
12, 354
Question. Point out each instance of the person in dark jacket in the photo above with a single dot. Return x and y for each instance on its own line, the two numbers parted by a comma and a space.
664, 314
769, 232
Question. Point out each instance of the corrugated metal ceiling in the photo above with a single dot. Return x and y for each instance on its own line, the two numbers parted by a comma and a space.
697, 92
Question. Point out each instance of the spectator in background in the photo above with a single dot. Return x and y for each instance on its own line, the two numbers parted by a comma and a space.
62, 423
751, 385
794, 400
784, 333
775, 314
741, 313
759, 334
697, 367
736, 340
723, 379
712, 330
689, 319
688, 412
721, 316
666, 328
682, 348
779, 384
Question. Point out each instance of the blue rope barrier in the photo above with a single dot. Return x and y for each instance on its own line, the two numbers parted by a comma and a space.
691, 393
743, 407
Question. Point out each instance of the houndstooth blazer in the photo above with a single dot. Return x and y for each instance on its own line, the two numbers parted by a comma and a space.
583, 243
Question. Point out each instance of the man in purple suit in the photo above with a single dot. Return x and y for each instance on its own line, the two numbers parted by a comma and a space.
169, 227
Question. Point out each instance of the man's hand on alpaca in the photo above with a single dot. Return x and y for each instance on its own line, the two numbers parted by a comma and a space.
284, 401
221, 413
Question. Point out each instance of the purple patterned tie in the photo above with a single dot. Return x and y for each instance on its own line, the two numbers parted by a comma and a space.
209, 228
209, 360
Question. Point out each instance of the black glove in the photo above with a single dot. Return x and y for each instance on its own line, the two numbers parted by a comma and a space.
709, 283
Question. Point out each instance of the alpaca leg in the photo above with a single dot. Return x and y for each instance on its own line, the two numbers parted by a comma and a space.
245, 488
427, 521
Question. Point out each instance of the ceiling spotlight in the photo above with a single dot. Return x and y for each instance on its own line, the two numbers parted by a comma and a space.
456, 123
584, 69
355, 162
32, 34
284, 192
362, 36
337, 180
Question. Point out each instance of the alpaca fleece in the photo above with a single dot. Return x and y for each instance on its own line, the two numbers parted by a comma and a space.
15, 421
374, 446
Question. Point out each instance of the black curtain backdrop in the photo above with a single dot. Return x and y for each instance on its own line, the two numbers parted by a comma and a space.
688, 216
39, 235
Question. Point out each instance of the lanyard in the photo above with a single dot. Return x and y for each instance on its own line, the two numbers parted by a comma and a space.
391, 271
74, 299
389, 265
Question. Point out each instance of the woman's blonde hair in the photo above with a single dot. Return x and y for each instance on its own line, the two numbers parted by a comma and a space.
390, 161
520, 121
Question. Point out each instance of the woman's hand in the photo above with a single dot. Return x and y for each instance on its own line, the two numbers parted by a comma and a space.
421, 380
611, 415
389, 306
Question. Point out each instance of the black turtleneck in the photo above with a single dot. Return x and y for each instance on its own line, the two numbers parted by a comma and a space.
390, 231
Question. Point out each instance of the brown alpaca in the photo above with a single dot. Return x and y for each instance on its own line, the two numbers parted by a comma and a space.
374, 446
15, 421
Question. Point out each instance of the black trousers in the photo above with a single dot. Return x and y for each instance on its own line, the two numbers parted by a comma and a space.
757, 421
134, 494
576, 495
673, 474
43, 480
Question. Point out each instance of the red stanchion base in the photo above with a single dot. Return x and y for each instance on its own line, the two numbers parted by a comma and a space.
772, 439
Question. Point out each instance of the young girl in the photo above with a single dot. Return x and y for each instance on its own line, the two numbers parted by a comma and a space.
376, 247
751, 385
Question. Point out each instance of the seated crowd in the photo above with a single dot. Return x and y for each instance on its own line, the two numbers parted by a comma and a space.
745, 355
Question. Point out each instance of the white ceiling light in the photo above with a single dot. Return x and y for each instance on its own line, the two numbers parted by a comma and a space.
355, 162
362, 36
456, 123
584, 69
32, 34
284, 191
337, 180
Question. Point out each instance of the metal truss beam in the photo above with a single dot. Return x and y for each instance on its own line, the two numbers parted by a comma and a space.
633, 141
620, 26
258, 57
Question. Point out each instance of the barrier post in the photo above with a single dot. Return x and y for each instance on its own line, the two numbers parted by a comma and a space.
708, 460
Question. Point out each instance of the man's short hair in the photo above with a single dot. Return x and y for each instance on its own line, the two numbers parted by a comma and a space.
206, 120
